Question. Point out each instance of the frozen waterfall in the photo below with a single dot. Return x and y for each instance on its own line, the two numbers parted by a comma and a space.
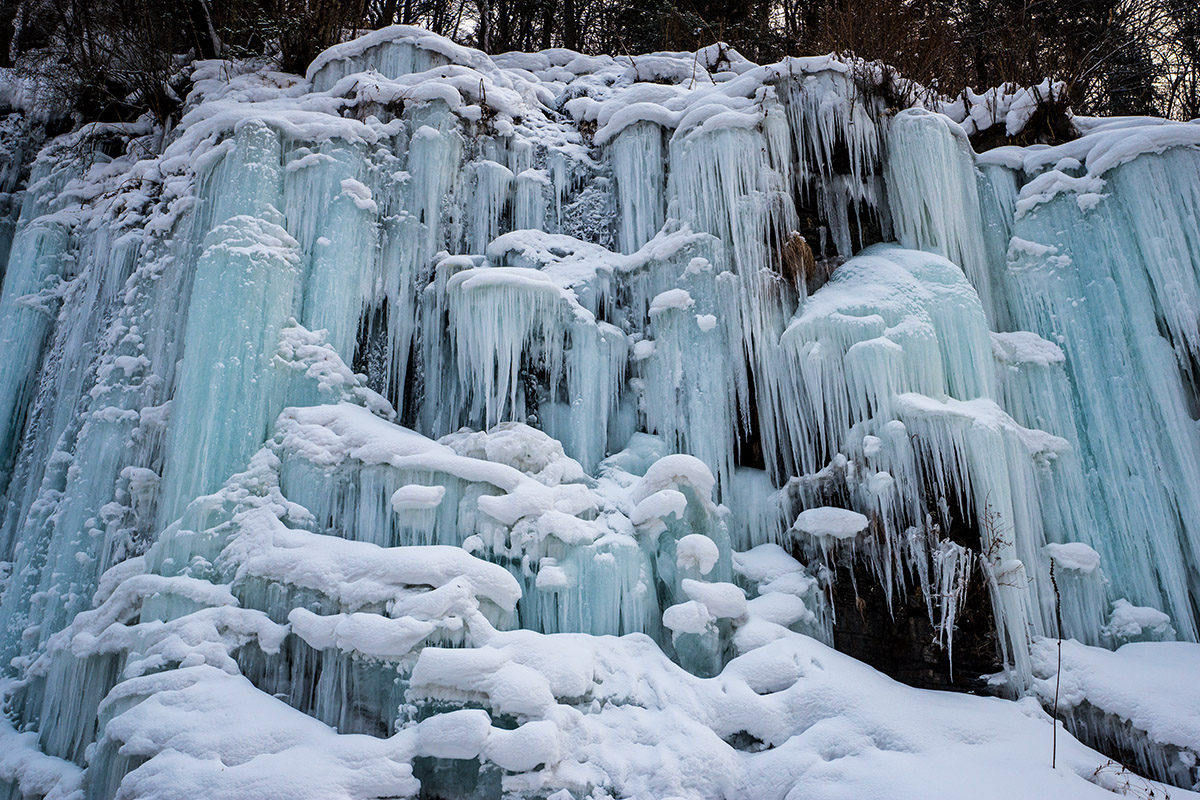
528, 426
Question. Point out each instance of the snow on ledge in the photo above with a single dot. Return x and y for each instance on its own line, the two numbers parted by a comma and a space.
834, 523
1151, 685
1074, 556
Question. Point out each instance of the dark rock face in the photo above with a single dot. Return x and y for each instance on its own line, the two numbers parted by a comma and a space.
902, 642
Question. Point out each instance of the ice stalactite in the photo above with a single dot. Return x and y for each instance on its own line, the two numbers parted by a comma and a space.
934, 196
342, 273
839, 134
21, 139
96, 407
1124, 341
228, 349
639, 171
689, 377
723, 185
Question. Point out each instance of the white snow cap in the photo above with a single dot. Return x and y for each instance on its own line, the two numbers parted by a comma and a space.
721, 599
415, 496
1128, 621
672, 298
698, 551
834, 523
1074, 555
689, 617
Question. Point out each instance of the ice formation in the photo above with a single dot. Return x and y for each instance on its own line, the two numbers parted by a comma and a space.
445, 425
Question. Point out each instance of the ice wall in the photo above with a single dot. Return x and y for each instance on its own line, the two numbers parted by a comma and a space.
1099, 263
473, 426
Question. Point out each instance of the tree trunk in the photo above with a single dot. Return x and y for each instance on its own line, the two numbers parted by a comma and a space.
570, 25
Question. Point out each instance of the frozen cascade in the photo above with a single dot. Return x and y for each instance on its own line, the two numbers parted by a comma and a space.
445, 425
896, 345
639, 171
938, 169
1096, 270
39, 258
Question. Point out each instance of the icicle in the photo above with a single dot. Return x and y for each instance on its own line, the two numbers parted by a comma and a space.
826, 113
498, 315
529, 209
638, 168
491, 184
934, 199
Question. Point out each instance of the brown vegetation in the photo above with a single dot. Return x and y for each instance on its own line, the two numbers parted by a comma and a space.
116, 58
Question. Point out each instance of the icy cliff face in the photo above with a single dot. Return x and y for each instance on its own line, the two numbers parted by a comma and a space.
451, 426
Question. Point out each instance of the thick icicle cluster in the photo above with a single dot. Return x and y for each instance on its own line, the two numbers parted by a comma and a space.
447, 425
